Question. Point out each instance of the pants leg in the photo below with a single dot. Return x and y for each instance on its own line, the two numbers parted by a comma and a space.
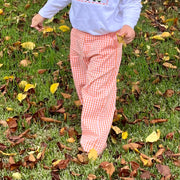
95, 79
78, 62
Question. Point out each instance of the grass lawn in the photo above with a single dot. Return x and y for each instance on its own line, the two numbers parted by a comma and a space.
148, 89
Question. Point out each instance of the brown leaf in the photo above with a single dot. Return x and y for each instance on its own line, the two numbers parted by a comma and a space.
168, 93
124, 172
131, 146
11, 160
63, 164
91, 177
72, 132
75, 174
177, 108
55, 175
154, 121
12, 123
83, 158
108, 167
41, 71
3, 123
60, 64
177, 162
170, 135
160, 152
46, 119
169, 65
61, 147
25, 63
32, 158
134, 165
2, 147
77, 103
66, 96
163, 169
146, 175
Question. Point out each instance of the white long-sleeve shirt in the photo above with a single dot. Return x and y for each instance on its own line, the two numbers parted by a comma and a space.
96, 17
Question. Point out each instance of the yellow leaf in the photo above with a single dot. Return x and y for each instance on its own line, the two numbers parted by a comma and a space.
28, 45
166, 58
54, 87
7, 154
1, 65
16, 175
114, 141
56, 162
21, 97
28, 87
22, 84
64, 28
47, 29
92, 154
157, 37
145, 161
9, 109
1, 11
154, 136
169, 65
71, 140
116, 129
121, 40
119, 116
124, 135
165, 34
8, 77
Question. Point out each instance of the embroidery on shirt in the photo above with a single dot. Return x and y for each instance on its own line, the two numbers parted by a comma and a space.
102, 2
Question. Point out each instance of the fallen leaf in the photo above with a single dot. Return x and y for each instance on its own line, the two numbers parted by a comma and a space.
124, 135
154, 136
22, 84
28, 45
93, 154
47, 29
165, 35
1, 65
170, 135
16, 175
169, 65
154, 121
83, 158
21, 97
42, 71
64, 28
70, 140
8, 77
77, 103
46, 119
1, 11
28, 87
108, 167
131, 146
146, 175
117, 129
163, 169
121, 40
66, 96
25, 63
177, 162
91, 177
168, 93
4, 123
54, 87
8, 154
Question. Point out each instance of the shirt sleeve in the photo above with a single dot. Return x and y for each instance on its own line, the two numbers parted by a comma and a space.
52, 7
131, 10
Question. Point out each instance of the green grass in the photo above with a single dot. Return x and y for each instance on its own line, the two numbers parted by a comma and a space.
145, 63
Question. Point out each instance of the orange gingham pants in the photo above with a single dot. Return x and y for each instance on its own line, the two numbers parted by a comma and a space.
95, 62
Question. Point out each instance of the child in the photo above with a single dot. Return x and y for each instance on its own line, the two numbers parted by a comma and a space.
95, 57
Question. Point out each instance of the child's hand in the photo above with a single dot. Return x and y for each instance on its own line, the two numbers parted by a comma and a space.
128, 33
37, 22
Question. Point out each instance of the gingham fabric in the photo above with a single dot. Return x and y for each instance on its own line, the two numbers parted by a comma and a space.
95, 62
